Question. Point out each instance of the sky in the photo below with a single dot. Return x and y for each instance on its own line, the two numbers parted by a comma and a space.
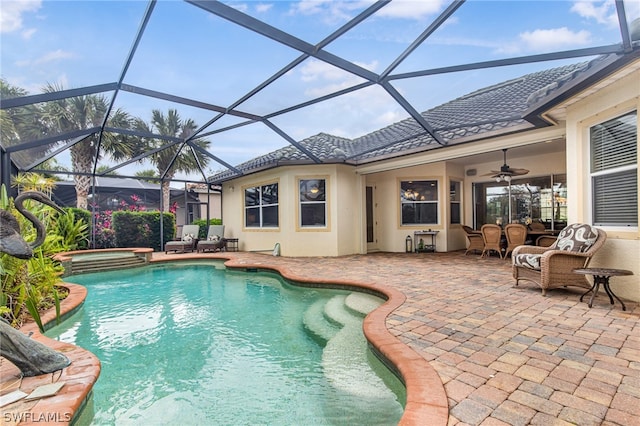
189, 52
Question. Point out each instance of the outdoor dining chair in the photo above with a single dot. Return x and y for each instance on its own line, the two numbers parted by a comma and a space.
476, 243
516, 236
492, 236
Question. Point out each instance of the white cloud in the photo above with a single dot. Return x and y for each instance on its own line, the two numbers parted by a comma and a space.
603, 12
242, 7
332, 11
410, 9
264, 7
554, 39
11, 13
56, 55
328, 77
546, 40
27, 34
338, 11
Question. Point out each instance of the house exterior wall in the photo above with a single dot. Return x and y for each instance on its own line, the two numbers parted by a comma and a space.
342, 235
622, 249
389, 232
215, 204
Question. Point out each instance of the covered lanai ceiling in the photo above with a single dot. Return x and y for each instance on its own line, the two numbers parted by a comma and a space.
257, 76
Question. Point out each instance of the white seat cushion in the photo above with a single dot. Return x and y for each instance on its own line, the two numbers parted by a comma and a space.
530, 261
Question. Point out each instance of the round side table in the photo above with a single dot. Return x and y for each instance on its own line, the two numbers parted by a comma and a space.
601, 276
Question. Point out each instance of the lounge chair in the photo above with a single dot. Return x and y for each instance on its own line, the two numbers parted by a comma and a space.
476, 243
516, 236
187, 241
552, 267
214, 241
492, 237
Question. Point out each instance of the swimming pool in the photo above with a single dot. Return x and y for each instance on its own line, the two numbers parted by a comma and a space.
198, 344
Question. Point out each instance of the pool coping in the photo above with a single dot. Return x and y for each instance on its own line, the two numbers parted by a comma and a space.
79, 376
67, 256
426, 399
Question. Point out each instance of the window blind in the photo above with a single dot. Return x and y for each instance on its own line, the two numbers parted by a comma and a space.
614, 160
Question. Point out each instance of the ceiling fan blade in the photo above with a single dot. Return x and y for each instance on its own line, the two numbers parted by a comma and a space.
505, 170
518, 172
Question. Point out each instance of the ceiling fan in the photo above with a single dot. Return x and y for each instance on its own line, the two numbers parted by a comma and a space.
506, 173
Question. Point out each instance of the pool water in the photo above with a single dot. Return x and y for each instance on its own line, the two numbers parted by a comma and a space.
198, 344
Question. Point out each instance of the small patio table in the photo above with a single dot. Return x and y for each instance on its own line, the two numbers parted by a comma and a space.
601, 276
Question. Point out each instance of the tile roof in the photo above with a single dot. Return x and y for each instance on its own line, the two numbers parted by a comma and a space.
497, 108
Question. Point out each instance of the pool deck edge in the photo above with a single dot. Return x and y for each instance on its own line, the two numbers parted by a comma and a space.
79, 376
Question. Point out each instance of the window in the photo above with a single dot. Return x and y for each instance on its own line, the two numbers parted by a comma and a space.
313, 203
614, 171
454, 202
261, 206
419, 202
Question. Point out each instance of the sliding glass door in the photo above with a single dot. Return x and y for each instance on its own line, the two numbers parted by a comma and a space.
526, 199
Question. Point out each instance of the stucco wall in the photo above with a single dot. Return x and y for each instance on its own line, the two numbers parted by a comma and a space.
215, 205
340, 236
389, 232
622, 249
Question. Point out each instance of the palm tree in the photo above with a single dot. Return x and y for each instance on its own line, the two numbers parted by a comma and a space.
173, 126
147, 174
21, 124
83, 112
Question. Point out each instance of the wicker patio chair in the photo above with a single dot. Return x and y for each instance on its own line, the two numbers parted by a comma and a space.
476, 243
492, 236
187, 241
214, 241
552, 267
516, 236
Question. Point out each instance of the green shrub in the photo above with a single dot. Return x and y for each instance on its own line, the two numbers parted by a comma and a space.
142, 229
73, 227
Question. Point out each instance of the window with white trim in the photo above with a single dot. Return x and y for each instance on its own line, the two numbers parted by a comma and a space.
614, 171
419, 202
313, 203
261, 206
